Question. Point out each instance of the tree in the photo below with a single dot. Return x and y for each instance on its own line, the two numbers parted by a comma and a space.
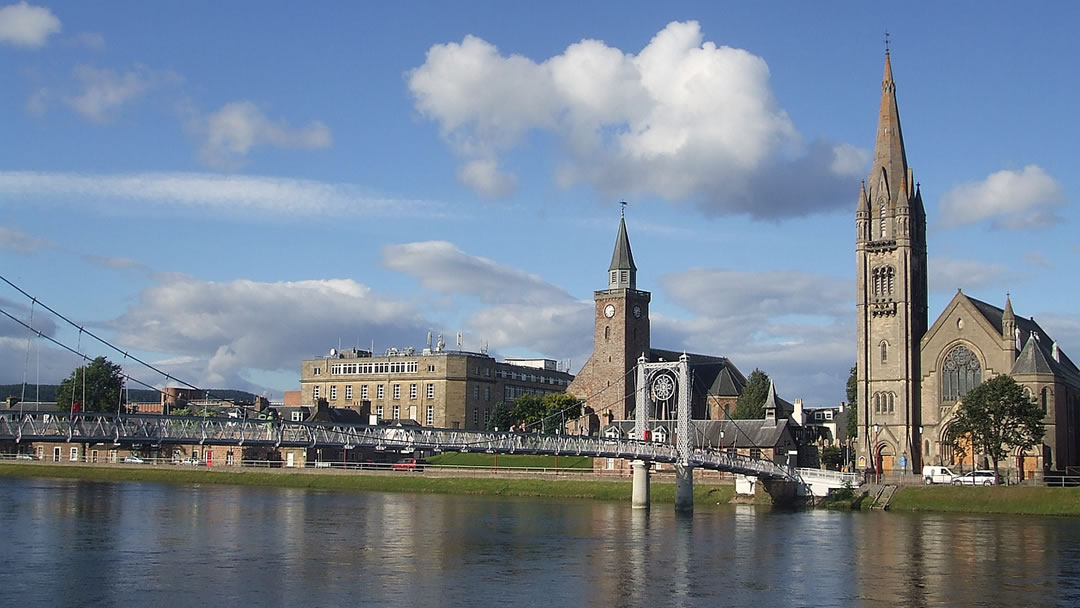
996, 417
853, 409
832, 458
94, 388
529, 409
502, 417
750, 405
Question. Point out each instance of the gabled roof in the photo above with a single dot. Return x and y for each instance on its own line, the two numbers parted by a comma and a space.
717, 376
1031, 360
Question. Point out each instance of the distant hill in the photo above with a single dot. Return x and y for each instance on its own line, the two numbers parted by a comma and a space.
47, 393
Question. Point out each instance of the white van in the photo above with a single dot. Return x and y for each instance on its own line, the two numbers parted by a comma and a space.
933, 474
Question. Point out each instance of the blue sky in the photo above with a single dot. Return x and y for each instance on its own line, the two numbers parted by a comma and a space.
225, 189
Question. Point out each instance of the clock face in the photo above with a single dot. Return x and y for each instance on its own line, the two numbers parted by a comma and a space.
637, 312
609, 311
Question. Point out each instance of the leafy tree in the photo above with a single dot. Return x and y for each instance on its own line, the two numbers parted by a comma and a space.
750, 404
832, 458
102, 380
559, 407
529, 409
502, 417
996, 417
853, 409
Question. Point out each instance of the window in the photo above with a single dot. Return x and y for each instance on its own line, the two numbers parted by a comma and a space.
93, 455
56, 454
74, 455
624, 276
1045, 399
315, 392
397, 391
487, 372
475, 417
363, 392
877, 403
397, 412
378, 412
430, 391
112, 456
348, 392
429, 417
607, 332
828, 414
476, 391
884, 351
298, 416
614, 276
487, 416
431, 367
891, 396
755, 452
412, 391
380, 392
487, 393
881, 218
333, 392
314, 371
961, 372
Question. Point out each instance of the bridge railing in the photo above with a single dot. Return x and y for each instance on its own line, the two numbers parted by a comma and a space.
158, 430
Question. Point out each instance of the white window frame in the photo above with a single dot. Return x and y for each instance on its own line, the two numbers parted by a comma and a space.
397, 392
363, 392
397, 412
412, 391
380, 392
431, 390
348, 392
73, 456
429, 418
333, 392
315, 393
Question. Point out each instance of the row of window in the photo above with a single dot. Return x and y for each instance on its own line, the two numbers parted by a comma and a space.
476, 417
884, 403
513, 392
374, 367
882, 281
512, 375
380, 391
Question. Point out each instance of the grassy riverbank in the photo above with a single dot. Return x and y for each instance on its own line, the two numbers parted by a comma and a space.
1020, 500
397, 481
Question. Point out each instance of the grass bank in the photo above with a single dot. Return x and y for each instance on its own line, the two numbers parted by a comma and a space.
705, 495
512, 461
1020, 500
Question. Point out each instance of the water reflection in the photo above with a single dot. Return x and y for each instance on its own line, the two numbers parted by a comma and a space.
77, 544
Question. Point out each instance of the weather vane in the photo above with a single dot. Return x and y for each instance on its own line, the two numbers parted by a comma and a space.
623, 211
886, 42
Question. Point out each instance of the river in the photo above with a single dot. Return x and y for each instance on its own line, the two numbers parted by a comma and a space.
74, 543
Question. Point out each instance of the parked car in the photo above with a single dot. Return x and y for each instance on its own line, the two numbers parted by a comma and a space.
409, 464
133, 459
976, 478
191, 461
25, 456
937, 474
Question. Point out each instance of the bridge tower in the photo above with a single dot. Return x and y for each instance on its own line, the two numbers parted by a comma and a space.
660, 382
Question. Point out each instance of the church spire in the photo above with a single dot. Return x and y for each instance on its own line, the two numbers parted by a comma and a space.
890, 159
622, 273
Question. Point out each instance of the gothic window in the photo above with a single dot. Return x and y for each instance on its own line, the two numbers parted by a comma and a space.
883, 281
884, 351
877, 403
891, 396
961, 372
1045, 399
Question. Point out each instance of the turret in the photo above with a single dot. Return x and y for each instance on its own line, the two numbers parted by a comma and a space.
862, 216
1009, 338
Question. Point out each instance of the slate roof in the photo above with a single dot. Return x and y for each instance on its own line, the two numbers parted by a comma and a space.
1034, 358
718, 376
622, 258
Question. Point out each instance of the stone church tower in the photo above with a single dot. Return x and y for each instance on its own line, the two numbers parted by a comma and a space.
891, 299
621, 334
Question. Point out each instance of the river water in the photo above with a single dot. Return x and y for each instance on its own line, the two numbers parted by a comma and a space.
72, 543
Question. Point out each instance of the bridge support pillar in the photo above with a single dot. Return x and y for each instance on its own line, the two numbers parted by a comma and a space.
640, 495
684, 488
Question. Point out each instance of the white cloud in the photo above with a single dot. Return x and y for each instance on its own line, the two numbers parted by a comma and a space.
26, 25
102, 91
484, 177
235, 326
1034, 258
230, 134
89, 40
1009, 199
22, 243
560, 329
684, 118
440, 266
946, 275
207, 192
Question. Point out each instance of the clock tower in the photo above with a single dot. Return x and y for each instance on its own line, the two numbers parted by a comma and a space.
621, 334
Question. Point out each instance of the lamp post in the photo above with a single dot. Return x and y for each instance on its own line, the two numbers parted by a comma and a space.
875, 456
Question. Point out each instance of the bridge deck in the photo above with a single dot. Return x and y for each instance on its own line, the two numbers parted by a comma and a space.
128, 429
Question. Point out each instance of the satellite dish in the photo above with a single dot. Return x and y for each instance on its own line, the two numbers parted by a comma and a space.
333, 352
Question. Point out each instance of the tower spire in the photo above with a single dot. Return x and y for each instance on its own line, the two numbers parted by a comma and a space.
622, 273
889, 153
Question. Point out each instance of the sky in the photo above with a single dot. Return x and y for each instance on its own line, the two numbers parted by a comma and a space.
225, 189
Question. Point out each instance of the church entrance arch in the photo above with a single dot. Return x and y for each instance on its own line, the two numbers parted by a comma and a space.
885, 458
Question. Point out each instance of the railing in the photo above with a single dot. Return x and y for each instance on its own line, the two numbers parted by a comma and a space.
158, 430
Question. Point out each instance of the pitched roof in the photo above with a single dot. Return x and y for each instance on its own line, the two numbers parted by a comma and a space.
622, 258
1037, 356
717, 376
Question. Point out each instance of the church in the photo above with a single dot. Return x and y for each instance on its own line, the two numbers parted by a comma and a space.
912, 376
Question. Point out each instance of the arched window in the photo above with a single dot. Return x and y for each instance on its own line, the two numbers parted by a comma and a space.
884, 351
960, 373
1045, 399
891, 396
877, 403
607, 332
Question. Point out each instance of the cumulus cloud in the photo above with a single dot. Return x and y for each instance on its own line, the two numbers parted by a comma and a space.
1007, 199
682, 119
18, 242
237, 325
948, 274
233, 131
103, 91
440, 266
208, 192
560, 329
26, 25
